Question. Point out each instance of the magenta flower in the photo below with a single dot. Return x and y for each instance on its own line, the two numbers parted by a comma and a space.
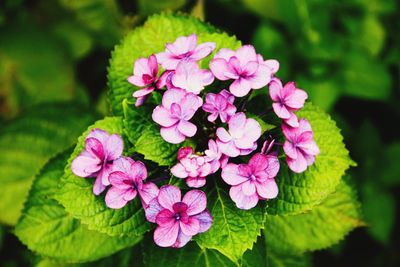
127, 181
244, 67
145, 73
178, 220
287, 99
190, 77
253, 181
215, 157
165, 79
300, 147
192, 167
177, 108
241, 138
101, 150
184, 48
221, 105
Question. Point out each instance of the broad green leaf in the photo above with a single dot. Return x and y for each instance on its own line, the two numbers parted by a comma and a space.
365, 76
233, 230
155, 148
149, 39
101, 17
28, 142
190, 255
301, 192
322, 227
390, 173
261, 255
379, 208
33, 72
47, 229
77, 197
144, 133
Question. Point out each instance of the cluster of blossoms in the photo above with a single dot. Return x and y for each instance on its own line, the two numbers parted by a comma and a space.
228, 133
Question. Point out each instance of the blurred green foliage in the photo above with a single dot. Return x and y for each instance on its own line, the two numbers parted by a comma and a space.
345, 54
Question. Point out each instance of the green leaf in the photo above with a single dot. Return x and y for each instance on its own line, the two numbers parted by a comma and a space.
136, 120
322, 227
379, 208
33, 72
151, 38
390, 174
301, 192
260, 255
233, 230
190, 255
28, 142
77, 197
365, 76
47, 229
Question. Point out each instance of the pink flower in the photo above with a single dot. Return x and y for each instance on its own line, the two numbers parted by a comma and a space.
241, 138
165, 79
300, 147
184, 48
253, 181
221, 105
101, 150
144, 75
192, 167
244, 67
287, 99
190, 77
215, 157
127, 181
272, 64
178, 220
177, 108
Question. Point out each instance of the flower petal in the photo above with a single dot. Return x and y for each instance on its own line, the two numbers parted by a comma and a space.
205, 220
196, 182
120, 180
187, 128
115, 198
166, 236
196, 201
297, 165
165, 218
85, 166
240, 87
219, 68
173, 95
230, 174
191, 227
203, 50
182, 240
114, 147
267, 189
172, 135
168, 196
139, 171
94, 147
241, 200
163, 117
98, 186
248, 188
152, 209
148, 192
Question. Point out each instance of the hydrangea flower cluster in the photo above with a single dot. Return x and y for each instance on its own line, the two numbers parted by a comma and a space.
216, 120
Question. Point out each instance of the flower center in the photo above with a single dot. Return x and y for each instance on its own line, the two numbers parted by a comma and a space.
253, 177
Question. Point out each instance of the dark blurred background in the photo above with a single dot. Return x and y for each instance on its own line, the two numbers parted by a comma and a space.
345, 54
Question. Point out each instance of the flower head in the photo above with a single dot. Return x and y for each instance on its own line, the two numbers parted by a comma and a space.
253, 181
127, 180
244, 66
215, 157
190, 77
177, 108
144, 75
192, 167
241, 138
221, 105
184, 48
178, 219
101, 150
287, 99
300, 147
